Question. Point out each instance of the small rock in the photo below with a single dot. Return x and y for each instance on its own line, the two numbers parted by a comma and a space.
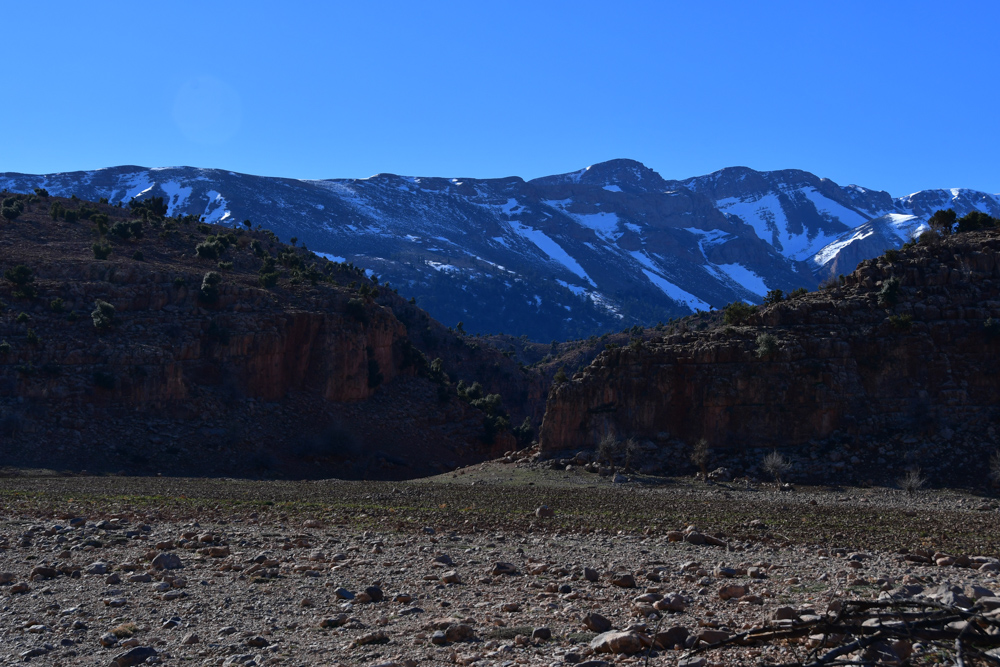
97, 568
545, 512
107, 640
451, 577
623, 581
693, 661
503, 568
167, 561
190, 638
334, 621
784, 614
671, 637
620, 642
543, 634
257, 642
134, 656
590, 574
377, 637
459, 632
596, 623
732, 591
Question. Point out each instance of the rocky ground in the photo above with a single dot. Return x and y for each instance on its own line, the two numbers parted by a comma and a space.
491, 565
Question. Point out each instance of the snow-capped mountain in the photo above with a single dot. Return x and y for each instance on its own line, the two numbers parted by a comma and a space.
557, 257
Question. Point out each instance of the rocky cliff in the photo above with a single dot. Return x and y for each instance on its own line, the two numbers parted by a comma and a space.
909, 343
187, 373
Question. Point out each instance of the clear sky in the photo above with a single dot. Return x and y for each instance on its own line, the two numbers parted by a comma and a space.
899, 96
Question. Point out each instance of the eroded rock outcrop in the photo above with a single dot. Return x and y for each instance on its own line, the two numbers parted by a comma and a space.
869, 356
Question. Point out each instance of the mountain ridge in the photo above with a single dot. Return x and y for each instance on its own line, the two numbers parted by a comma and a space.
555, 257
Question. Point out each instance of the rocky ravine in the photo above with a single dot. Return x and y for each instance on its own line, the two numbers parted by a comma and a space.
906, 346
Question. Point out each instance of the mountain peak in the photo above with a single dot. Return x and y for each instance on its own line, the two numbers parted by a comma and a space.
622, 173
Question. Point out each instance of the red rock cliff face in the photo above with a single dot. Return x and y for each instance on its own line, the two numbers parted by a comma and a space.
165, 341
313, 377
841, 362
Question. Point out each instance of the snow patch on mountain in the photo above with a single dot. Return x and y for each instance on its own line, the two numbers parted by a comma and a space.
742, 276
552, 250
175, 195
675, 292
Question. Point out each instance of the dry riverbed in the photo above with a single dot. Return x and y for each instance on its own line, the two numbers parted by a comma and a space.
462, 569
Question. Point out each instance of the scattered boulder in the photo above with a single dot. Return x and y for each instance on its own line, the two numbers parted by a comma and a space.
167, 561
596, 623
620, 642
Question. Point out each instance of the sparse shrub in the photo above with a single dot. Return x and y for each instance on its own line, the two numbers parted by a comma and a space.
777, 466
268, 277
125, 630
22, 318
179, 282
225, 266
700, 455
737, 313
560, 376
797, 292
4, 347
10, 212
72, 317
891, 256
975, 220
121, 229
901, 322
774, 296
767, 345
41, 192
928, 238
32, 337
209, 292
606, 448
912, 481
889, 294
943, 221
138, 256
103, 315
208, 249
101, 251
991, 327
70, 215
21, 277
56, 305
57, 210
524, 433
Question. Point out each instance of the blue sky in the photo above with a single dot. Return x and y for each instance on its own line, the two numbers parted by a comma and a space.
895, 96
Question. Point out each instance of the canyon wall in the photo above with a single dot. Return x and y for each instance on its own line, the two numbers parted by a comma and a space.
861, 358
